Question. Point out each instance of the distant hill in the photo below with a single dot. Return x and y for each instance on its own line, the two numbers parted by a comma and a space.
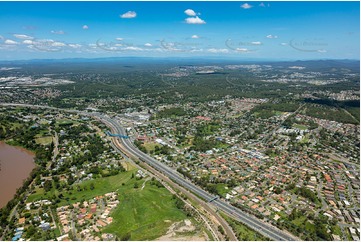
120, 64
322, 64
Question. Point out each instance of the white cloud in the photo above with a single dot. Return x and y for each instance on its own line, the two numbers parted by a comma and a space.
1, 37
129, 14
58, 44
195, 20
118, 45
59, 31
10, 42
256, 43
148, 44
85, 27
133, 48
28, 42
213, 50
112, 48
322, 51
196, 50
244, 50
119, 39
47, 40
272, 36
284, 44
195, 36
7, 47
246, 6
75, 46
190, 12
22, 36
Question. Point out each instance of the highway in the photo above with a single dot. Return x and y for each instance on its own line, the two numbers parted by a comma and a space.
262, 227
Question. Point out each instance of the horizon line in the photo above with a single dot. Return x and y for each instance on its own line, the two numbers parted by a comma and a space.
181, 57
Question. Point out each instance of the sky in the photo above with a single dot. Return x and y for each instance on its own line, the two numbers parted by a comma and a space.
244, 30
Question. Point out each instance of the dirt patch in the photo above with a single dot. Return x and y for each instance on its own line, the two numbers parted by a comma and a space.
185, 226
183, 231
201, 237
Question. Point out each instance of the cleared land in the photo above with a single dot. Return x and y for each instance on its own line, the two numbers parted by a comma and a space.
143, 214
44, 140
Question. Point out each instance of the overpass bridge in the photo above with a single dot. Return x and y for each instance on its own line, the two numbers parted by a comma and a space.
117, 135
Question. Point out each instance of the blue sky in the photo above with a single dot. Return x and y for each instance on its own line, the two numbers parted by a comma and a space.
245, 30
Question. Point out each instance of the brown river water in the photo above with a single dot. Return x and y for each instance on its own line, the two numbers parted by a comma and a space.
15, 166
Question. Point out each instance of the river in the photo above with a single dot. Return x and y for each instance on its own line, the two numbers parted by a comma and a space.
16, 165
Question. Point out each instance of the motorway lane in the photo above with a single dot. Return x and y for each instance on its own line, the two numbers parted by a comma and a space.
265, 229
225, 207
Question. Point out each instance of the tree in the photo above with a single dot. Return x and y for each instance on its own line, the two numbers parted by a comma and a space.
92, 186
31, 230
278, 190
48, 185
179, 203
220, 229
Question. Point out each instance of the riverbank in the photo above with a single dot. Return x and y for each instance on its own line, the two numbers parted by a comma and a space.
16, 166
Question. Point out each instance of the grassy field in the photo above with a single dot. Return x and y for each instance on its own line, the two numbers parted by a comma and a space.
300, 126
150, 146
355, 112
44, 140
221, 188
144, 214
62, 122
300, 221
102, 186
242, 232
333, 114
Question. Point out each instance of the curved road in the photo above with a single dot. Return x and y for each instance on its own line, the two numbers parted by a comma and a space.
265, 229
262, 227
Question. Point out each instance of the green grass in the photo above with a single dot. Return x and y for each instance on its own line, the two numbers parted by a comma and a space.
242, 232
300, 126
265, 114
336, 230
221, 189
64, 122
209, 234
15, 125
305, 139
42, 133
333, 114
44, 140
310, 227
142, 213
57, 232
355, 112
278, 113
102, 186
299, 221
150, 146
38, 195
